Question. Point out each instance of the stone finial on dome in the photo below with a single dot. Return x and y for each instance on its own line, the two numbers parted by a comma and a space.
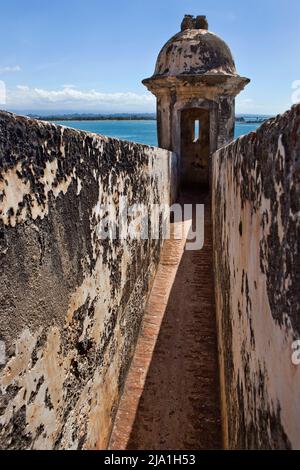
201, 22
191, 22
187, 22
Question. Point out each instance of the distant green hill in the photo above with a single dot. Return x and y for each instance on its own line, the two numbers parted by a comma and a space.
242, 119
96, 117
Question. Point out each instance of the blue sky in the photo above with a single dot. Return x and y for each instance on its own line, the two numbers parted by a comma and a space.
91, 55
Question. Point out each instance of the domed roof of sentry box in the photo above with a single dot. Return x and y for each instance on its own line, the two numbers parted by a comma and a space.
195, 51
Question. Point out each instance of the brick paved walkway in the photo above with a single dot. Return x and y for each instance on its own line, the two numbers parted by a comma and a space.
171, 397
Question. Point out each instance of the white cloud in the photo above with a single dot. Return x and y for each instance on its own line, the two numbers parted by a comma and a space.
22, 88
15, 68
71, 98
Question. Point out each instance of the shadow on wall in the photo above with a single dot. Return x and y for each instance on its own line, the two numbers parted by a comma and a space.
171, 398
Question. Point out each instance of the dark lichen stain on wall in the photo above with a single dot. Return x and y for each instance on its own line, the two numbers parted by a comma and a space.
274, 170
257, 177
65, 286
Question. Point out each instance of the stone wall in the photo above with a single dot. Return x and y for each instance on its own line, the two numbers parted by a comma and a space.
71, 303
256, 224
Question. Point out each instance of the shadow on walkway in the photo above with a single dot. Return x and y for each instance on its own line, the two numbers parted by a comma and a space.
178, 405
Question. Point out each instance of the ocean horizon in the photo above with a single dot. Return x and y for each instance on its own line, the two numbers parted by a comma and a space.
141, 131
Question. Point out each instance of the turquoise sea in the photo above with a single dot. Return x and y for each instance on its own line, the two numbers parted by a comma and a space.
143, 132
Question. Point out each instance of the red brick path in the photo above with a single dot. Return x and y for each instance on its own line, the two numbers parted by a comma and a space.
171, 397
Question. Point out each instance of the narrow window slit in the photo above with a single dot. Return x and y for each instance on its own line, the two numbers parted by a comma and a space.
197, 130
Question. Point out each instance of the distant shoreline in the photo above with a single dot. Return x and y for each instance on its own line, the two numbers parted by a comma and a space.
97, 119
94, 118
240, 120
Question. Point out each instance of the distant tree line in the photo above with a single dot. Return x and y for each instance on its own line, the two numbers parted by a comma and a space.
130, 117
97, 117
251, 120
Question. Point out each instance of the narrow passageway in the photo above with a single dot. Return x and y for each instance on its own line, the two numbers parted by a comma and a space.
171, 397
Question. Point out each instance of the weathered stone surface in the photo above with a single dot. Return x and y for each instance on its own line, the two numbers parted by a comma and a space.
256, 218
195, 79
195, 51
71, 303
